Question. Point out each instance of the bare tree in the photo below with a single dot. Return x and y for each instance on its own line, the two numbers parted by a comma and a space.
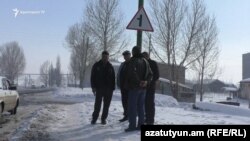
177, 27
83, 53
104, 21
74, 66
51, 75
44, 73
101, 29
206, 64
12, 60
58, 72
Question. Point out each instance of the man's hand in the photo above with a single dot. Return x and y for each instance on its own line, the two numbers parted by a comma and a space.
143, 84
94, 91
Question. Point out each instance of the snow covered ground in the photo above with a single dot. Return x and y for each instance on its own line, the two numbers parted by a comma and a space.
217, 97
71, 122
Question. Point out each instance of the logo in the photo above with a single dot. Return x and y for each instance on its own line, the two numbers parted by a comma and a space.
20, 12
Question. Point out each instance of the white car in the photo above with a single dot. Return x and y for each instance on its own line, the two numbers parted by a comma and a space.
9, 97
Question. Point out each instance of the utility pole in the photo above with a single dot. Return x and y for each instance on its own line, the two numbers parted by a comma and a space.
139, 33
150, 45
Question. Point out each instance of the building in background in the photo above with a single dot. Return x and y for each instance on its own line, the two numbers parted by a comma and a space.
245, 83
186, 93
165, 69
245, 88
245, 66
214, 86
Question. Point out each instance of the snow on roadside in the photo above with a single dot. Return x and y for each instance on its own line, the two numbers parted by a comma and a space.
73, 92
85, 94
165, 101
80, 127
166, 109
33, 127
72, 122
76, 125
218, 97
70, 91
222, 108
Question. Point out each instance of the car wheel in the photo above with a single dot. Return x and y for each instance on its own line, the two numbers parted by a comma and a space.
13, 111
1, 108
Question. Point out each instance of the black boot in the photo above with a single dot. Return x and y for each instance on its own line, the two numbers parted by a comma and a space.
130, 129
93, 121
104, 122
123, 119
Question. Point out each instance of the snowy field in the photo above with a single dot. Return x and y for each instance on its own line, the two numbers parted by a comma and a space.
71, 122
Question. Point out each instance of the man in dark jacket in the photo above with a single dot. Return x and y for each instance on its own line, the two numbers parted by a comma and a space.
138, 74
150, 94
103, 85
120, 83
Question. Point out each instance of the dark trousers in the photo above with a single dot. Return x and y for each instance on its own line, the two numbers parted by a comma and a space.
150, 104
104, 94
136, 101
124, 94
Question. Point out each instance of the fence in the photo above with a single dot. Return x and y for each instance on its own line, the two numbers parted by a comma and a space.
42, 80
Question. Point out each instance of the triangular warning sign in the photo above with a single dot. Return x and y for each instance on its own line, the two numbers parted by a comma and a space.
140, 21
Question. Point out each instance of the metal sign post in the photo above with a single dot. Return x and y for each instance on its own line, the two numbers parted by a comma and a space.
139, 32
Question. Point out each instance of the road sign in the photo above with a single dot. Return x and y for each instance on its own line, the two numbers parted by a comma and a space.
140, 21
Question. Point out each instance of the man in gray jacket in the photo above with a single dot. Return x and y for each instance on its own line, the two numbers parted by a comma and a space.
120, 83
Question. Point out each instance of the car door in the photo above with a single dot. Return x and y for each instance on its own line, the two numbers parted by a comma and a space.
8, 100
2, 94
13, 95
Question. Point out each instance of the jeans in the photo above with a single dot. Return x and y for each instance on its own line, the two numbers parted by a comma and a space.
136, 100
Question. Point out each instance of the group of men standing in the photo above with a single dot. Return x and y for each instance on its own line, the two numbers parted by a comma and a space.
136, 79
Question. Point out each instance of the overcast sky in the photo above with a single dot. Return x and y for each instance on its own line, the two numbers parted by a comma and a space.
42, 35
